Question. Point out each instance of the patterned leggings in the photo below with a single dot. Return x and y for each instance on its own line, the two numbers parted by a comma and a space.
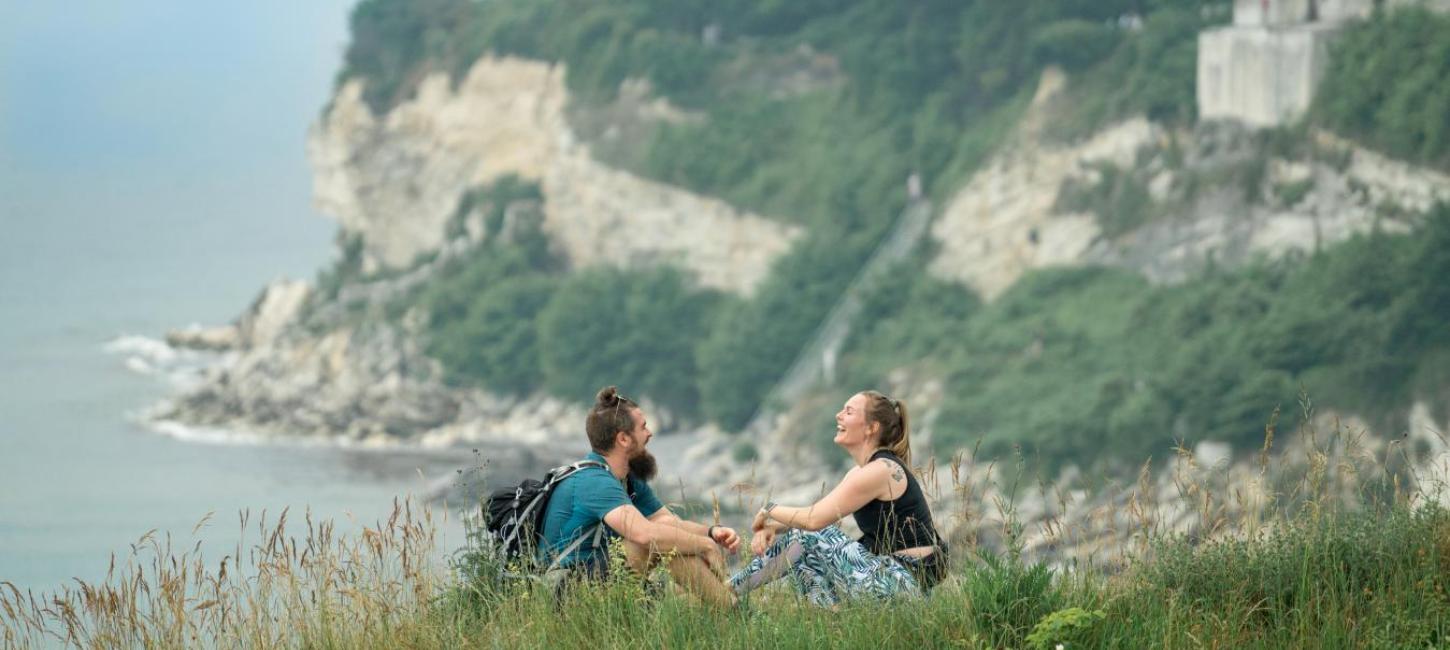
828, 567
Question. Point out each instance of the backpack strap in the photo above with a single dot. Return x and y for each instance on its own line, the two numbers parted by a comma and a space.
565, 471
574, 545
574, 467
559, 474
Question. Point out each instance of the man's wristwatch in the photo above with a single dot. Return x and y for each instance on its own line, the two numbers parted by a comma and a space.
769, 505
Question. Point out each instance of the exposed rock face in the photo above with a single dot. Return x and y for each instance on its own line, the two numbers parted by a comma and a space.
274, 310
306, 366
1006, 222
1388, 182
368, 384
1002, 224
396, 181
1298, 204
222, 337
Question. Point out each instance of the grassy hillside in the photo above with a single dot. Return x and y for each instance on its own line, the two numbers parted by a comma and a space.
1321, 573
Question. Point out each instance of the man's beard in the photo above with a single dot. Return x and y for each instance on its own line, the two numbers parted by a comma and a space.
643, 466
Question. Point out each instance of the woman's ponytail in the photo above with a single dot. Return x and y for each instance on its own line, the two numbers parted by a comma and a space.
895, 423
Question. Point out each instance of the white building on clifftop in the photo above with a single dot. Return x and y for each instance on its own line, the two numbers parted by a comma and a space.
1262, 70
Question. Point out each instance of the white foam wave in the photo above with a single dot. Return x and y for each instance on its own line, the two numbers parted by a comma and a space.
144, 347
240, 437
180, 368
139, 366
206, 435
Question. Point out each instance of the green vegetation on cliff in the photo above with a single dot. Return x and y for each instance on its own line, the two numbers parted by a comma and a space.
816, 112
1385, 85
1071, 362
507, 316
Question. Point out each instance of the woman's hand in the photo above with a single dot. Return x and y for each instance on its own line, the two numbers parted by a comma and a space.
762, 539
760, 520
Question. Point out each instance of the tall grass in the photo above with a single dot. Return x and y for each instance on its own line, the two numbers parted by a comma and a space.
1335, 552
280, 590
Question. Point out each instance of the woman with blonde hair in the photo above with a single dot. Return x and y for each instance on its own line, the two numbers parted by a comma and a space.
899, 552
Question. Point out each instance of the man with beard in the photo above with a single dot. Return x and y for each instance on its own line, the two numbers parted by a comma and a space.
620, 500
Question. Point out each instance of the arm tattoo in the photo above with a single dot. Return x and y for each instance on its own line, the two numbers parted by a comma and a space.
897, 474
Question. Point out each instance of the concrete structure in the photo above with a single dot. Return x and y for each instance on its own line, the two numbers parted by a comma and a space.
1270, 13
1262, 76
1262, 70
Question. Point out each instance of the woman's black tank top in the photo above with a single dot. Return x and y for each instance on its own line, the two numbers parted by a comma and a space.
890, 526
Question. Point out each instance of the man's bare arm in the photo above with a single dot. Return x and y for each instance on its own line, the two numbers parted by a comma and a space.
665, 516
722, 535
663, 537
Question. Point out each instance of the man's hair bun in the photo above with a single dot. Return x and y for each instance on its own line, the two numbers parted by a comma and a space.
607, 397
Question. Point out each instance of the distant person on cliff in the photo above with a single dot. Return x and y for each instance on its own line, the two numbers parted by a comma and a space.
899, 552
620, 500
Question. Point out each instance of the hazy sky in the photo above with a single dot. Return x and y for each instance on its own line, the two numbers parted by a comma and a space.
177, 119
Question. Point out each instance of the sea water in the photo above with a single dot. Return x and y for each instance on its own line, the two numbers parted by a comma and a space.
152, 175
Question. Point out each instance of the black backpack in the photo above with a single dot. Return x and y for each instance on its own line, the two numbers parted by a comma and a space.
514, 517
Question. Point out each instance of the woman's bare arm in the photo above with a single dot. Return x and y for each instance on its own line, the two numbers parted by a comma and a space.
875, 480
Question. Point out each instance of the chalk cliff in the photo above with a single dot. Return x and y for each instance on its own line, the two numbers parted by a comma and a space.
396, 180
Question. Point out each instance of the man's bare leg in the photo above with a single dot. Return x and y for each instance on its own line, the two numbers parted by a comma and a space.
689, 571
699, 579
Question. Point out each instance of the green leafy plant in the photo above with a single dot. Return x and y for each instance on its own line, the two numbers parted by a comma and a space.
1008, 598
1066, 628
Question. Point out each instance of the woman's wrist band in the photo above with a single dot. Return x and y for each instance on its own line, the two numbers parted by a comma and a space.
710, 532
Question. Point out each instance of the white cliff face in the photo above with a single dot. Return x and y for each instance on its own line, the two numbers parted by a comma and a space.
1004, 222
275, 309
1343, 191
1370, 192
270, 314
397, 180
1385, 180
648, 223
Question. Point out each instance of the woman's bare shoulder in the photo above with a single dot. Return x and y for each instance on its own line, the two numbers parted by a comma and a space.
875, 473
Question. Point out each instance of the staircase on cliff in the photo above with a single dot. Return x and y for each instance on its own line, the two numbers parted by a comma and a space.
816, 360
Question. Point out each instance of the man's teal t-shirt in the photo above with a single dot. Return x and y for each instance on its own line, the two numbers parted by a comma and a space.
580, 502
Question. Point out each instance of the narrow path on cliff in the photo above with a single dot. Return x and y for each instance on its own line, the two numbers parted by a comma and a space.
816, 360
